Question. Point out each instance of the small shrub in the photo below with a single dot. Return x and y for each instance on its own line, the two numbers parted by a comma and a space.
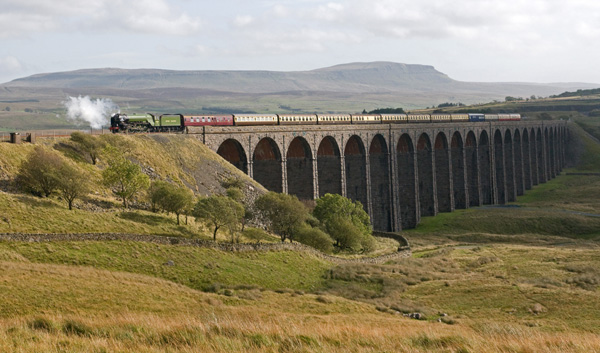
586, 281
233, 182
42, 324
256, 234
484, 260
431, 343
214, 287
72, 327
447, 320
324, 299
315, 238
254, 294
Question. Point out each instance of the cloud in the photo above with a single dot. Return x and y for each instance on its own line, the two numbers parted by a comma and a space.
10, 64
11, 67
243, 21
315, 25
21, 18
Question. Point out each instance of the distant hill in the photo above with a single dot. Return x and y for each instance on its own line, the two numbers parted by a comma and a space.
348, 78
36, 101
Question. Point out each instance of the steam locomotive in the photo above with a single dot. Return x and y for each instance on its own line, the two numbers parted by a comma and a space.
179, 122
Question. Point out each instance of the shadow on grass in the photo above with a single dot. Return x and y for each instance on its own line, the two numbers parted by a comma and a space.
153, 220
180, 232
157, 220
35, 201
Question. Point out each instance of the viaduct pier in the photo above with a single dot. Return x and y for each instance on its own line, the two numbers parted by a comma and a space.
399, 172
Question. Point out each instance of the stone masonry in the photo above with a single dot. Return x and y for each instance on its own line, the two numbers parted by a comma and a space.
399, 172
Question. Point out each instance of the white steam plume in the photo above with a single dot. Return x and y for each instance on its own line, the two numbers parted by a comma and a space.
95, 112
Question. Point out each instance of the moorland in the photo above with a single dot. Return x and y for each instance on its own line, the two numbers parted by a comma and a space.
508, 279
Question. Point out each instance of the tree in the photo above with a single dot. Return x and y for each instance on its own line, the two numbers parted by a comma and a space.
219, 211
176, 200
283, 213
233, 192
73, 183
40, 172
331, 206
345, 234
156, 192
89, 144
345, 221
123, 176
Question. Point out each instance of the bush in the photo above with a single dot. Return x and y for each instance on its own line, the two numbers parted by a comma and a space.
256, 234
42, 324
315, 238
89, 144
285, 214
346, 235
232, 182
39, 174
72, 327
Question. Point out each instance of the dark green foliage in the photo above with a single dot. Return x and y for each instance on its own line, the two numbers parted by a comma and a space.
331, 206
235, 194
595, 113
388, 111
579, 93
346, 235
125, 177
283, 213
219, 211
512, 99
175, 199
345, 221
233, 182
40, 173
256, 234
156, 192
447, 105
315, 237
89, 144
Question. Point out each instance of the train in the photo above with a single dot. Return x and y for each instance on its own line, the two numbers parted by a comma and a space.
179, 122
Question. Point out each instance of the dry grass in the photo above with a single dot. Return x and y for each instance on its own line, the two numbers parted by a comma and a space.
102, 311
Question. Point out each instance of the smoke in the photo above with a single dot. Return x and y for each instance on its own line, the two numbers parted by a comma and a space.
95, 112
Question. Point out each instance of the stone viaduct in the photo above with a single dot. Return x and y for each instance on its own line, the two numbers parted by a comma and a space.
399, 172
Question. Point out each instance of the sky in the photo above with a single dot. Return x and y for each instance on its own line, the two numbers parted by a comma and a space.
484, 41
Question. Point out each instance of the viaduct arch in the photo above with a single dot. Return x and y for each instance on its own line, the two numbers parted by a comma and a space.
399, 172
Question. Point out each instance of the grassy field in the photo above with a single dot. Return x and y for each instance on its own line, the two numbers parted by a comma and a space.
523, 278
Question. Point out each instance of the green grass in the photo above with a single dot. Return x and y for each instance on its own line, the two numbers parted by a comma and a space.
28, 214
516, 279
198, 268
509, 221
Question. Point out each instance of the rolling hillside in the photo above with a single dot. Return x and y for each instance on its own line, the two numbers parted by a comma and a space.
36, 102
